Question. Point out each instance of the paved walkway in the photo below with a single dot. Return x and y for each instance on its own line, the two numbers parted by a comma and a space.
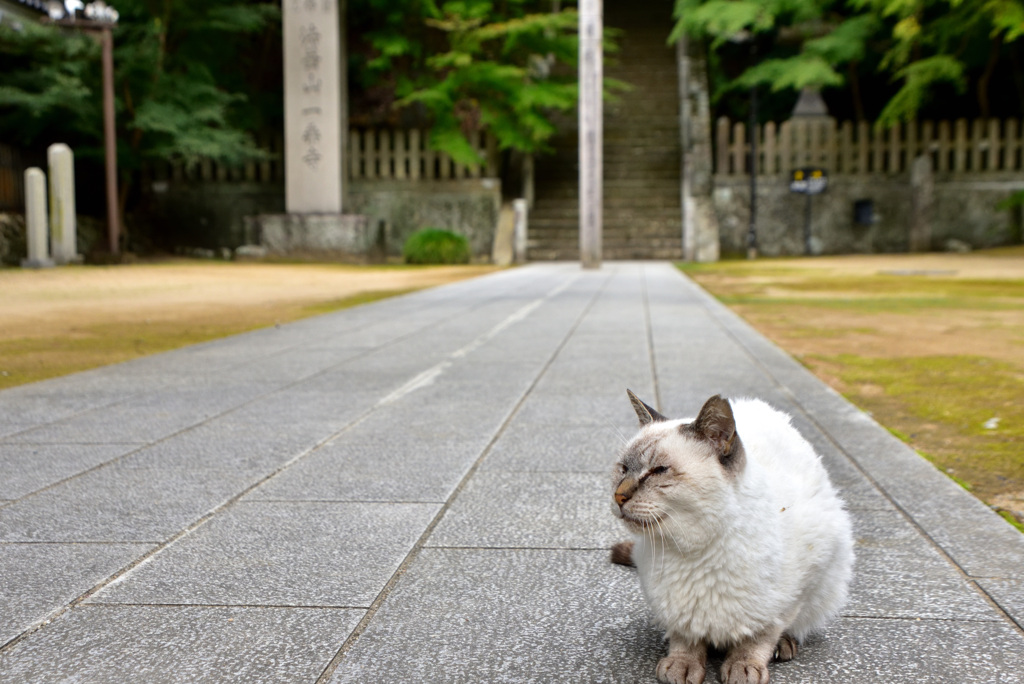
416, 490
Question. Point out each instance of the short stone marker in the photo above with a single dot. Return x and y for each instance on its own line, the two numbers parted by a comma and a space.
62, 203
38, 234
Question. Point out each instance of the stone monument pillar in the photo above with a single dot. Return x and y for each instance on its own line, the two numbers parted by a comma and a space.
35, 220
312, 106
62, 203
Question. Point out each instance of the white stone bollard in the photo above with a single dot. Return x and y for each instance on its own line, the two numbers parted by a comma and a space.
62, 203
519, 241
38, 234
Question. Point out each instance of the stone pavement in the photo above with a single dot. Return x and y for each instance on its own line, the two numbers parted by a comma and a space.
416, 490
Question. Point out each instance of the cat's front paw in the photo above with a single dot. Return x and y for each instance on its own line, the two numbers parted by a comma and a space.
786, 649
744, 672
675, 669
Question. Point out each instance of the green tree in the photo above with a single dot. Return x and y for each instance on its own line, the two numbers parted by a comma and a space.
470, 65
922, 46
179, 87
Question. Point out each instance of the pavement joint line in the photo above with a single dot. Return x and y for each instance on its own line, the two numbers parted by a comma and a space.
119, 604
602, 549
853, 461
281, 388
992, 599
121, 573
897, 618
420, 543
650, 339
76, 543
345, 501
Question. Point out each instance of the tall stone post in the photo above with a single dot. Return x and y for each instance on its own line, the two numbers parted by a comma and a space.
35, 220
313, 106
700, 224
922, 186
63, 219
591, 113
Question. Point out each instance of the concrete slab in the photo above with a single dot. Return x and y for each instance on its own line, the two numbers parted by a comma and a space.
362, 424
862, 651
1009, 595
119, 503
381, 469
527, 446
461, 615
28, 467
174, 644
145, 418
531, 510
38, 579
280, 553
900, 574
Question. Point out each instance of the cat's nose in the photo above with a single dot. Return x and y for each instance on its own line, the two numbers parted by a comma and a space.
624, 492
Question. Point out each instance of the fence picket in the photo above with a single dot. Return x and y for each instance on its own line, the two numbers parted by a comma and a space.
785, 145
722, 136
415, 154
738, 149
981, 146
960, 146
926, 143
910, 149
994, 153
1010, 156
770, 165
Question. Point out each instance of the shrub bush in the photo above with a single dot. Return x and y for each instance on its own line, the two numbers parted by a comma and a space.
436, 246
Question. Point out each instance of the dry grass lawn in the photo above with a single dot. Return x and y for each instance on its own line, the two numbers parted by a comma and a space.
61, 320
932, 345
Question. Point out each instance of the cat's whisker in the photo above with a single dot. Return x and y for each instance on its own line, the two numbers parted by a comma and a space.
618, 432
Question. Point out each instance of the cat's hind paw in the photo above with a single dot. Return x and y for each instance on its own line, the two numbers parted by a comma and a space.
744, 672
680, 670
786, 649
622, 554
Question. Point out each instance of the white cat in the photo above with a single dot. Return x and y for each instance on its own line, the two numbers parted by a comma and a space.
739, 538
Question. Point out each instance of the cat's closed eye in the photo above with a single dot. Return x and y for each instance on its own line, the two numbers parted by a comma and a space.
659, 470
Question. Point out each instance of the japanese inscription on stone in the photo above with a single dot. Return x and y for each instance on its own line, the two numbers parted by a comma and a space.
312, 106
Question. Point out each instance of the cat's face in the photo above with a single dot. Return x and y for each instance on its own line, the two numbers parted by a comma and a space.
675, 478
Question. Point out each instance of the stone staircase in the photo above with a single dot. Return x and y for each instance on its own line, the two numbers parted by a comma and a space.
642, 155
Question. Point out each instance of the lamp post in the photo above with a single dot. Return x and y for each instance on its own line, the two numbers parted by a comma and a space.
98, 17
740, 38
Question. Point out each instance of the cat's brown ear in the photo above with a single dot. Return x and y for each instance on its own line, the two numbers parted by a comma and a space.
645, 413
716, 424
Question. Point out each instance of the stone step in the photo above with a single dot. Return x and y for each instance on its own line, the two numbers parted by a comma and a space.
642, 158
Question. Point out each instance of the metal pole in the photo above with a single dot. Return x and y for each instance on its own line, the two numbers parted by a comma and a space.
752, 231
807, 225
591, 133
110, 142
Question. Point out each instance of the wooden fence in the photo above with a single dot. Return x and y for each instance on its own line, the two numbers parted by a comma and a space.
979, 147
402, 154
373, 154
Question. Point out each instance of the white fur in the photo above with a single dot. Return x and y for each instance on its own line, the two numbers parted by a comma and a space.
737, 556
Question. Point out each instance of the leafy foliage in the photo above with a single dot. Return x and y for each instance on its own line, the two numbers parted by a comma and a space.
173, 60
471, 65
922, 46
436, 246
49, 79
